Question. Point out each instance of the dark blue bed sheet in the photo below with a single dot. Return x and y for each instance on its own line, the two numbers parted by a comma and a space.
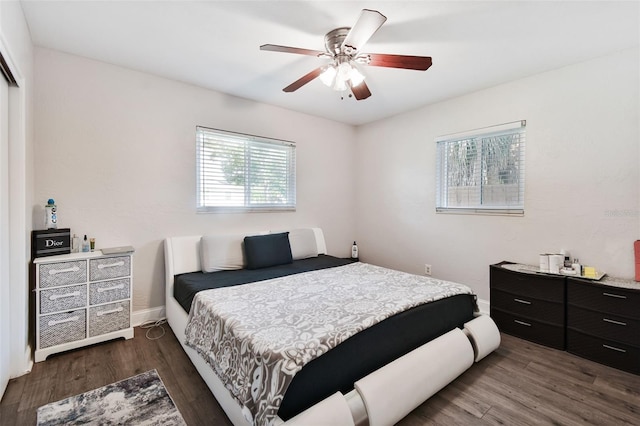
187, 285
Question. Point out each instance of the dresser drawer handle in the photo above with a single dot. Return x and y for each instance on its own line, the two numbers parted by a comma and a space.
524, 302
110, 265
613, 321
70, 319
112, 311
522, 323
115, 287
613, 348
617, 296
62, 271
62, 296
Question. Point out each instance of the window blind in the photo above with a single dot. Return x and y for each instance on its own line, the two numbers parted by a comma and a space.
482, 171
238, 172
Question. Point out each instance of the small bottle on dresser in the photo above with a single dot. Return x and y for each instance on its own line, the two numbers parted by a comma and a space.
85, 244
75, 244
577, 267
51, 214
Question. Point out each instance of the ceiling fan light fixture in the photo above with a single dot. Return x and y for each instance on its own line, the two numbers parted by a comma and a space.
328, 75
355, 76
340, 77
340, 85
344, 71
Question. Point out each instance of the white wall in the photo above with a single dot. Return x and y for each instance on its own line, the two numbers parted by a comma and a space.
582, 179
116, 149
17, 49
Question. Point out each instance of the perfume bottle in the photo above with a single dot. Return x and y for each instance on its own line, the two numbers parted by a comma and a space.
85, 244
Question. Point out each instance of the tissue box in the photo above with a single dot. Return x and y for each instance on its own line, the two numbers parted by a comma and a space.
589, 272
50, 242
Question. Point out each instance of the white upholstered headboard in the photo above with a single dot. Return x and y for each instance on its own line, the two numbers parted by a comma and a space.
182, 254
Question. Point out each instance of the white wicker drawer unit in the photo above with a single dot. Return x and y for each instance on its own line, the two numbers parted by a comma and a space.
82, 299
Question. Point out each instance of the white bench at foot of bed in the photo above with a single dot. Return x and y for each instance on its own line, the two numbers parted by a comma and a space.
413, 378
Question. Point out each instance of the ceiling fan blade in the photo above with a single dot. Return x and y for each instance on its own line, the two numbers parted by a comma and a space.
303, 80
287, 49
361, 91
366, 25
420, 63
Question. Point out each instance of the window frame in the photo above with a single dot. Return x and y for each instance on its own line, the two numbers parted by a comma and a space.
478, 135
251, 143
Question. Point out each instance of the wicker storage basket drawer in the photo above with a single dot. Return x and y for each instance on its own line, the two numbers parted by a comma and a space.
62, 328
109, 267
108, 291
62, 273
63, 298
107, 318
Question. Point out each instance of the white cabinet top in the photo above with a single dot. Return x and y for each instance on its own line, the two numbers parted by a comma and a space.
75, 256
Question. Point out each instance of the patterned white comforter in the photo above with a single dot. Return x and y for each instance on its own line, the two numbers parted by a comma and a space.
257, 336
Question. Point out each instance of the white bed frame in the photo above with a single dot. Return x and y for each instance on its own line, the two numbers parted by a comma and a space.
414, 377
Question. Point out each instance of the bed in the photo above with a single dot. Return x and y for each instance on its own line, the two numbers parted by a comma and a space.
417, 349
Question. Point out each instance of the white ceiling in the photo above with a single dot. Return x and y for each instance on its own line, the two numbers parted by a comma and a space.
214, 44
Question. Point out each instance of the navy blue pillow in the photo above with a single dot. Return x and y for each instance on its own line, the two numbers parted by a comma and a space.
262, 251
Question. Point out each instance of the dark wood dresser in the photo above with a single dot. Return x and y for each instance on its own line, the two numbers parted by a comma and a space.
597, 320
603, 321
527, 304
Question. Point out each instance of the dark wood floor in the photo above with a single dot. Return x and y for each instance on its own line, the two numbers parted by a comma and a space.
520, 384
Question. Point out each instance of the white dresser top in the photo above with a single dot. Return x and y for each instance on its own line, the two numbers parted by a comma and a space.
76, 256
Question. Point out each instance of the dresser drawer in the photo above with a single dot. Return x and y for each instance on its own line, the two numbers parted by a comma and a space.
608, 326
535, 331
614, 354
64, 327
108, 291
109, 267
528, 307
107, 318
62, 273
63, 298
537, 286
598, 297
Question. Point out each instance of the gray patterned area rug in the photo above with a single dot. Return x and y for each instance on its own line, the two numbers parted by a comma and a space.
138, 400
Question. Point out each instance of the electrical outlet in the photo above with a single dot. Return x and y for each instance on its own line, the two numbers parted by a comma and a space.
427, 269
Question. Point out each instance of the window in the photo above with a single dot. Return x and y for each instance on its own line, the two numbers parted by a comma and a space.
240, 173
481, 171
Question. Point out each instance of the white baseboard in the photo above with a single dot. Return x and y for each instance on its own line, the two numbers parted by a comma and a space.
24, 367
483, 305
28, 361
146, 315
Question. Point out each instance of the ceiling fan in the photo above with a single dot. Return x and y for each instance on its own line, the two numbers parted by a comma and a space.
343, 48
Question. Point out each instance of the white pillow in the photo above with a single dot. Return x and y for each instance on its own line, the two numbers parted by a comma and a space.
303, 243
221, 252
